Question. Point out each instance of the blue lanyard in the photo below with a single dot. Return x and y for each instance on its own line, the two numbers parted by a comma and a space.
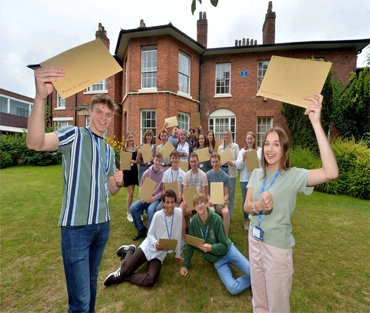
204, 236
268, 188
193, 181
176, 175
169, 234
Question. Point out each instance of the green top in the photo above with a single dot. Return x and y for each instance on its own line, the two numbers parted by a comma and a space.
276, 223
215, 236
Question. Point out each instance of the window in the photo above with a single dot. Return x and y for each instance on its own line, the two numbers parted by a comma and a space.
220, 120
149, 67
262, 68
99, 87
263, 125
223, 78
61, 103
148, 122
22, 112
87, 120
184, 73
183, 121
60, 124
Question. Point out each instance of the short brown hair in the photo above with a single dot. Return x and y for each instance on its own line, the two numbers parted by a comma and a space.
158, 155
215, 155
103, 99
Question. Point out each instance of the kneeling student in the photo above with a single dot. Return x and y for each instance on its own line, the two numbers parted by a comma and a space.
217, 248
166, 224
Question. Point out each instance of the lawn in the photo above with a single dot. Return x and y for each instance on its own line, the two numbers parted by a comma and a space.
331, 255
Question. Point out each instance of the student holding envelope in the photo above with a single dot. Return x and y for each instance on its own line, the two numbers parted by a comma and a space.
245, 174
217, 249
166, 224
202, 143
271, 200
182, 146
90, 175
148, 139
163, 136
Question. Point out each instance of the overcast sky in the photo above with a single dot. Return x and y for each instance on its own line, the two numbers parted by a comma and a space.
33, 31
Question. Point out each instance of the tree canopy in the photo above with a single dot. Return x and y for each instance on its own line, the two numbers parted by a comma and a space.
194, 4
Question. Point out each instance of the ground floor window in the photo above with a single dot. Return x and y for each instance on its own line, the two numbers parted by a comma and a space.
263, 125
220, 120
147, 122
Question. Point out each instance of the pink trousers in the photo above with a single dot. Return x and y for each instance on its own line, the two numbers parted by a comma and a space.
271, 277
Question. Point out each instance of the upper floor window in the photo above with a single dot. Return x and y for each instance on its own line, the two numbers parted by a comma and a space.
148, 122
183, 120
61, 103
149, 67
263, 125
220, 120
184, 73
223, 71
262, 68
99, 87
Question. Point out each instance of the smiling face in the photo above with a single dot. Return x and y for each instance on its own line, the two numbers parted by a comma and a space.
148, 138
194, 163
273, 152
250, 140
101, 115
169, 205
201, 140
130, 139
210, 136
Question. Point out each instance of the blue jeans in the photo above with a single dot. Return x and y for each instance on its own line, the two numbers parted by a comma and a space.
82, 251
232, 185
243, 187
233, 256
137, 209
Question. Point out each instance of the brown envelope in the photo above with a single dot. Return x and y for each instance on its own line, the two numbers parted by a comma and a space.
225, 156
218, 143
168, 244
146, 153
251, 160
203, 154
194, 241
184, 165
84, 66
147, 189
195, 120
172, 186
172, 121
289, 80
166, 150
189, 193
217, 192
125, 160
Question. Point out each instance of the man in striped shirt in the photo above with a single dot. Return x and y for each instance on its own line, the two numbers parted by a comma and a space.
89, 176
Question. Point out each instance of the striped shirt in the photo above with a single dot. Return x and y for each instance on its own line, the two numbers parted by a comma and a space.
87, 161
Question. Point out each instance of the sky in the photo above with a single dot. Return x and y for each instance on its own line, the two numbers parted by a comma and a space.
33, 31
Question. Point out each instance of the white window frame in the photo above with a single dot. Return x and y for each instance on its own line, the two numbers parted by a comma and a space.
183, 119
262, 68
223, 79
87, 120
148, 123
149, 59
220, 120
99, 87
264, 123
61, 103
184, 73
60, 122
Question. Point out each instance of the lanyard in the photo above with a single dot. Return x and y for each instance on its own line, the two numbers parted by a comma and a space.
169, 234
176, 175
193, 181
268, 188
201, 230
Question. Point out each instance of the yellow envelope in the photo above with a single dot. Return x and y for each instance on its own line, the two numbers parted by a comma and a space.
203, 154
184, 165
195, 120
147, 189
172, 121
84, 66
217, 192
251, 160
168, 244
146, 153
218, 143
125, 160
166, 150
225, 156
289, 80
172, 186
189, 193
193, 241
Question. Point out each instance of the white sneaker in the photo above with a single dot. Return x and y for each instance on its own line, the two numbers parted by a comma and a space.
129, 218
246, 225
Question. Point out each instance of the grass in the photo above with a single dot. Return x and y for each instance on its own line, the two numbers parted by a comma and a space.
331, 256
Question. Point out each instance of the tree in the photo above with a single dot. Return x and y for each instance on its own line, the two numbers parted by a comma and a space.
194, 4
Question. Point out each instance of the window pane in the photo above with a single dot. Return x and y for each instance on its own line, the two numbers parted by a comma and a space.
149, 68
262, 68
264, 124
223, 78
148, 122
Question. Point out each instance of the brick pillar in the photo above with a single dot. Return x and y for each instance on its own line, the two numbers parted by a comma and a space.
268, 28
202, 29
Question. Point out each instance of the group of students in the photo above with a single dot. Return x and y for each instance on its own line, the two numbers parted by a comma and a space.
84, 220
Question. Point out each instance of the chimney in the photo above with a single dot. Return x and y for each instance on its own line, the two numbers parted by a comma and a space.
202, 29
268, 28
142, 24
101, 34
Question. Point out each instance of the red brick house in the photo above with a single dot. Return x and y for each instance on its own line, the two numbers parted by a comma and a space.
167, 73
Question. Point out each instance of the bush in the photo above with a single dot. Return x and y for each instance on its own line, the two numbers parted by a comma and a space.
5, 159
116, 146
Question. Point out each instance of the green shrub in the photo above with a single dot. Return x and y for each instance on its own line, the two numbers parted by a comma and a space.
5, 159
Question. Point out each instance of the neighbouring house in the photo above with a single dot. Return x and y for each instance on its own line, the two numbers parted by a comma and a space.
167, 73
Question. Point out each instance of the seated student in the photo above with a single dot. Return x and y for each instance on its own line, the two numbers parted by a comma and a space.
217, 175
166, 224
155, 173
217, 248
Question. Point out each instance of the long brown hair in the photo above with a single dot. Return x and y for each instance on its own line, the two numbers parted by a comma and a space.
148, 132
255, 141
285, 146
213, 143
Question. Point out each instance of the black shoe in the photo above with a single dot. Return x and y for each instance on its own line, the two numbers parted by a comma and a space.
140, 234
122, 250
114, 278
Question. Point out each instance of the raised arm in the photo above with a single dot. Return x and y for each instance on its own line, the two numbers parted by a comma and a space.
36, 137
329, 168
